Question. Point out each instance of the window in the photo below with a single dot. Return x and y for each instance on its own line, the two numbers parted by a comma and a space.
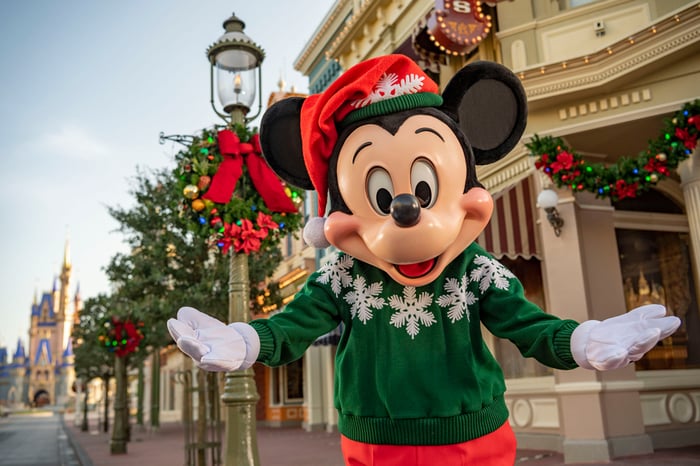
295, 382
514, 365
654, 249
287, 383
567, 4
656, 269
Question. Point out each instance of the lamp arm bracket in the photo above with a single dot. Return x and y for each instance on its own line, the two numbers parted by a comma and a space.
184, 139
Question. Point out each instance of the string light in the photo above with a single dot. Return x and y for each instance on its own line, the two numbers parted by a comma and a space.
610, 50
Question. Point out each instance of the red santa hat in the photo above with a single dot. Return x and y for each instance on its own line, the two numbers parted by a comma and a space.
378, 86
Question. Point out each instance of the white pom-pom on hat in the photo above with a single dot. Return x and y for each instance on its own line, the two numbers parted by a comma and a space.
314, 234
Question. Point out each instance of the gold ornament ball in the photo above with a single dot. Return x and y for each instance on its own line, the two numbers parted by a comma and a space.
288, 192
298, 202
191, 191
198, 205
654, 177
661, 157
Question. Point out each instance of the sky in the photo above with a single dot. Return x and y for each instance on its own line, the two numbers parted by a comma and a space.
85, 89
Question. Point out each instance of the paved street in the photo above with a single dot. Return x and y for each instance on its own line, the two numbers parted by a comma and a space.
294, 447
35, 439
41, 439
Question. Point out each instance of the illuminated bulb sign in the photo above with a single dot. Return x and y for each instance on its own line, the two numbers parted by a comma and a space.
453, 27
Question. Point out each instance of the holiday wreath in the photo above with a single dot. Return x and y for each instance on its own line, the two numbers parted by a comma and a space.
121, 336
233, 199
630, 175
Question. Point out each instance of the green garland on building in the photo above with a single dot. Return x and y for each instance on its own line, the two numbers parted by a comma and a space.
630, 176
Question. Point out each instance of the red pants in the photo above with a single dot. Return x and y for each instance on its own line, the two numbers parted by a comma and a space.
494, 449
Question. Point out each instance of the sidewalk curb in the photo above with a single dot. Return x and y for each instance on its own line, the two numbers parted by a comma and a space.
83, 458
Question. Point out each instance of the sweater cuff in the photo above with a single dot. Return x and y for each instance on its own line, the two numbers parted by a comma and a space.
267, 342
562, 343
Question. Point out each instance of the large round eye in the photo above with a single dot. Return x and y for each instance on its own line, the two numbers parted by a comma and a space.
380, 191
424, 183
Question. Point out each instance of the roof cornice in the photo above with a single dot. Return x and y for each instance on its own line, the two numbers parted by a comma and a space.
667, 36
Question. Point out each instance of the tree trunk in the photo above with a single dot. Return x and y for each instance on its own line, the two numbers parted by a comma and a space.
201, 418
84, 426
105, 423
118, 444
155, 390
140, 396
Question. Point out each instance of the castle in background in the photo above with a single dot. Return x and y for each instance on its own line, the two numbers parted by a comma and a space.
43, 373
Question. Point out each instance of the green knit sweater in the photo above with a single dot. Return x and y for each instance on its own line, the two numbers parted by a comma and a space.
411, 365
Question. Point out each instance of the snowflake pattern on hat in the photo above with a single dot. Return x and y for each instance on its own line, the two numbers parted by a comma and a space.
388, 88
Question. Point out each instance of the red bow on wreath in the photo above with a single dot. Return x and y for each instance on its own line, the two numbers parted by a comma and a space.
264, 179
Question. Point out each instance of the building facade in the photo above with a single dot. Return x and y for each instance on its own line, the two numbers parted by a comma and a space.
603, 75
43, 373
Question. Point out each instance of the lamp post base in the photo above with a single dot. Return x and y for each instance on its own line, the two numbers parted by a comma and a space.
239, 398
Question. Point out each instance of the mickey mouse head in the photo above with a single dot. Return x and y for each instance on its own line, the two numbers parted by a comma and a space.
397, 160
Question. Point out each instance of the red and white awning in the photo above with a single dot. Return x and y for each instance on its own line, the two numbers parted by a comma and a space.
512, 231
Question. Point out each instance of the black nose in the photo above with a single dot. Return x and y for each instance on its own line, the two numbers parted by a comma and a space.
405, 210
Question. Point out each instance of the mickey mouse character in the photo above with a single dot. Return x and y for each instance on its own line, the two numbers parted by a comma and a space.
414, 380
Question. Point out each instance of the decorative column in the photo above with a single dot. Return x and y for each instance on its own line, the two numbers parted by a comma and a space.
600, 412
689, 170
313, 389
328, 371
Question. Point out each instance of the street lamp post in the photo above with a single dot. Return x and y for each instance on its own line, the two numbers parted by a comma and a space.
237, 60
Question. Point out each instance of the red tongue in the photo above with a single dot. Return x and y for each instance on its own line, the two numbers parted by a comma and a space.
416, 270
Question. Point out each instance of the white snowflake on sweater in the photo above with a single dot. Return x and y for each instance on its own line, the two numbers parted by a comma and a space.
490, 272
458, 299
363, 298
337, 272
411, 310
387, 88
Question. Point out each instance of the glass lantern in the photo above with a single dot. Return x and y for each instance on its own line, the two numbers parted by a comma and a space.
236, 78
237, 60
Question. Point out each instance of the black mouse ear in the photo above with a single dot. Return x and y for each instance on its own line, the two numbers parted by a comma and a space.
280, 139
491, 108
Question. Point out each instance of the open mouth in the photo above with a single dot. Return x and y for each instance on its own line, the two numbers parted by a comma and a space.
418, 269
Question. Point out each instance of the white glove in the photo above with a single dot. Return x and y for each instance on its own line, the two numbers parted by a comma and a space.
618, 341
213, 345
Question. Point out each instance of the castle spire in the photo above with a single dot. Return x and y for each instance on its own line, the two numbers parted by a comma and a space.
19, 352
66, 255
